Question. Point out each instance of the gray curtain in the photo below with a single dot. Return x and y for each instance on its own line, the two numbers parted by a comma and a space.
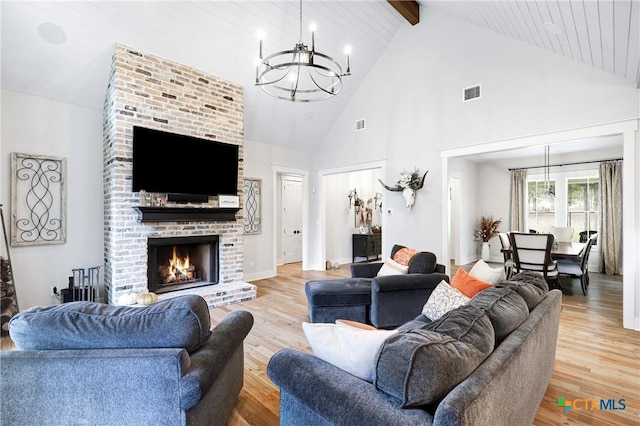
519, 200
610, 235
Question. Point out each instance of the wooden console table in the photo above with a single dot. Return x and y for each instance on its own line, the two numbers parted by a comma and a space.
367, 245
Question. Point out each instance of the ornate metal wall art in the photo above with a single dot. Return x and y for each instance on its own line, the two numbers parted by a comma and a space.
252, 217
38, 199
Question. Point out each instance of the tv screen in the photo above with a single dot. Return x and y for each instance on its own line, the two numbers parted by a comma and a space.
178, 164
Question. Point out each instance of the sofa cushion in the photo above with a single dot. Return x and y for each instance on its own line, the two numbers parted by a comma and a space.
530, 286
422, 263
468, 284
351, 348
442, 300
422, 365
179, 322
505, 308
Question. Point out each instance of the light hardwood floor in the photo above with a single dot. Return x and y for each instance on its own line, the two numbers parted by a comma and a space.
595, 358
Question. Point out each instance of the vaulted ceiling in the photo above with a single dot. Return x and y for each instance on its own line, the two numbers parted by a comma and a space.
62, 50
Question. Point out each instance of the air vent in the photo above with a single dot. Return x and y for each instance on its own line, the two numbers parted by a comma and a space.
360, 125
471, 93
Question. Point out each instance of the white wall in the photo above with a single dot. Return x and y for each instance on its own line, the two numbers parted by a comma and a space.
340, 219
259, 159
35, 125
412, 103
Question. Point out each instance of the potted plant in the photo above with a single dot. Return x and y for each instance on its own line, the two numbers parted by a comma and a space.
488, 229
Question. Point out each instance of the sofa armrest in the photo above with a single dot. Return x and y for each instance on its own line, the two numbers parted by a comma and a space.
208, 362
397, 299
97, 386
333, 395
365, 270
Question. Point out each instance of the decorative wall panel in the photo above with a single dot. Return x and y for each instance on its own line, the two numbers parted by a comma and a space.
252, 215
38, 199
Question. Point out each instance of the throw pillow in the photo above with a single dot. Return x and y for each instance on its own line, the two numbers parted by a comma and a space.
467, 284
355, 324
443, 299
351, 349
391, 267
179, 322
482, 271
403, 255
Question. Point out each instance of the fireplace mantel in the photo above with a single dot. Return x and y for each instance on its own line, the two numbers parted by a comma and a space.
181, 214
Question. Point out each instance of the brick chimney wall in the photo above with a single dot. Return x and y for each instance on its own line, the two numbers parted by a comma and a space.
149, 91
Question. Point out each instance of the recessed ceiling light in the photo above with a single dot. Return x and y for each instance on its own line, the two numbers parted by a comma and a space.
52, 33
552, 28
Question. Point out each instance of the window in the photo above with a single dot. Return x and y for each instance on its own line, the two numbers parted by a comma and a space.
583, 206
541, 210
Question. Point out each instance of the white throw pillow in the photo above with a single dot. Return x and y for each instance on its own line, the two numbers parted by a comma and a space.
482, 271
442, 300
352, 349
391, 267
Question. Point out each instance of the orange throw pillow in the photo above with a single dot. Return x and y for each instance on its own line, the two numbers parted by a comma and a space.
468, 285
403, 256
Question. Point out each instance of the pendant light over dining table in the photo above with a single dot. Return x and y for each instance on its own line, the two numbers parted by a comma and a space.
548, 196
301, 74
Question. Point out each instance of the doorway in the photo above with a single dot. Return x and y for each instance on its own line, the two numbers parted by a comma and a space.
291, 222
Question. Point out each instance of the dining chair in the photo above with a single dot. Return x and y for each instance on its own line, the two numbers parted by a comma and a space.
532, 252
585, 235
579, 268
509, 264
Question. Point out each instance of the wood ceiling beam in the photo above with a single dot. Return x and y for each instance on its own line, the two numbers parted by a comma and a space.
409, 9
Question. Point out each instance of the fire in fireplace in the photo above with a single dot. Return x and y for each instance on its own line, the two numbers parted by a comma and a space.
182, 262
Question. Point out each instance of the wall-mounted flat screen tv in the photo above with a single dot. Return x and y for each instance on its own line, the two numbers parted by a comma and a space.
177, 164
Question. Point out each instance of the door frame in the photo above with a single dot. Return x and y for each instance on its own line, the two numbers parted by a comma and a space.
631, 204
277, 204
322, 219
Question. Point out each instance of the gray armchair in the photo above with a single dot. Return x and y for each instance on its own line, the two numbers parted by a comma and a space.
186, 376
385, 302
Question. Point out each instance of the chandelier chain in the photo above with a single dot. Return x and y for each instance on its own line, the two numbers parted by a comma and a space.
300, 34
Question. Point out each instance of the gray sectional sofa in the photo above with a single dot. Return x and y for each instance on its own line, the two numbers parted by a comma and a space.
486, 363
85, 363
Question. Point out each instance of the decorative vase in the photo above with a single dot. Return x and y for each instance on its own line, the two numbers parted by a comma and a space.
486, 252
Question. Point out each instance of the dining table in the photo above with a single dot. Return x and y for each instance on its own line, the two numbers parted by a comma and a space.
567, 250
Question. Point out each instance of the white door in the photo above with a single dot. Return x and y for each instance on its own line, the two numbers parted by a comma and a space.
291, 220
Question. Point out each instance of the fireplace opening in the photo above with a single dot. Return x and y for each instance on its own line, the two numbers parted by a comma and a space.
182, 262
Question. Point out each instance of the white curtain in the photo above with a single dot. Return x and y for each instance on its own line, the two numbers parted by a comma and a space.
519, 200
610, 235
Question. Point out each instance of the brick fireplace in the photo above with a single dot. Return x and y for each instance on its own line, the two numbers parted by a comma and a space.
149, 91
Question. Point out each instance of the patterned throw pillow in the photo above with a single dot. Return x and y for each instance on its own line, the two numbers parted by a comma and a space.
403, 255
442, 300
390, 267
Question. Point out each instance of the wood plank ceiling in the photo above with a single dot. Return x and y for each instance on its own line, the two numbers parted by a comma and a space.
604, 34
62, 50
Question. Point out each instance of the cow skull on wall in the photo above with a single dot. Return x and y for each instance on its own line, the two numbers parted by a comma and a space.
408, 184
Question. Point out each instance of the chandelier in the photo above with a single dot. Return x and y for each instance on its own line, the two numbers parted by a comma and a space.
300, 74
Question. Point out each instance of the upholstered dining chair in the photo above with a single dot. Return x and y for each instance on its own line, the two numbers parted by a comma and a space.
509, 264
532, 252
578, 268
585, 235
